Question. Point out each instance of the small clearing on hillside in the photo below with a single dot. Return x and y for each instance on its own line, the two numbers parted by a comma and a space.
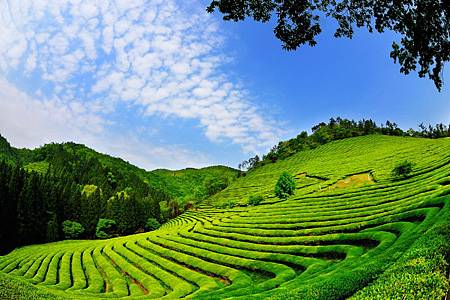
354, 180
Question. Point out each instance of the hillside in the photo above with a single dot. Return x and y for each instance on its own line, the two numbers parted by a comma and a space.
350, 230
319, 169
177, 183
40, 189
189, 183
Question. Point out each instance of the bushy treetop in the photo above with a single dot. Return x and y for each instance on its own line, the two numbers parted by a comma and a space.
402, 169
423, 26
285, 185
72, 230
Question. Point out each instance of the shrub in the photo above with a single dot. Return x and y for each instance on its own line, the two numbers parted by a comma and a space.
402, 169
255, 199
152, 224
230, 204
285, 185
104, 228
72, 230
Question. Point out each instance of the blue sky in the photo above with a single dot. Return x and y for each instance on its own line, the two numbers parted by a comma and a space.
163, 84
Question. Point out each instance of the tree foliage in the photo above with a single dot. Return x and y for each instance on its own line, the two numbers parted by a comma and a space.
255, 199
402, 169
105, 228
152, 224
72, 230
422, 25
74, 185
285, 185
213, 185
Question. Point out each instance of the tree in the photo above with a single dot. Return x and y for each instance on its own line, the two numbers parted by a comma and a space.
52, 234
104, 228
31, 225
72, 230
152, 224
423, 25
285, 185
92, 208
174, 208
213, 185
402, 169
255, 199
130, 215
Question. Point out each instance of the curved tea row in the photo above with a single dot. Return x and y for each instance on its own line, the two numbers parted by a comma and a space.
316, 239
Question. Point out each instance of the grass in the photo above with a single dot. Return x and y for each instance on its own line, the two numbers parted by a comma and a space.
349, 230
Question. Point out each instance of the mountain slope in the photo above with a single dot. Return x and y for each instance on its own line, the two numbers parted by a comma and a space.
41, 189
177, 184
317, 170
349, 230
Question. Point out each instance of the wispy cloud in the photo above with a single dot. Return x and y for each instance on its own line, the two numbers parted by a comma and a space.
30, 123
90, 56
27, 122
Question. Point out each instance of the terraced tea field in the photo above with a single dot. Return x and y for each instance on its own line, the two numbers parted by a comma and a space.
347, 224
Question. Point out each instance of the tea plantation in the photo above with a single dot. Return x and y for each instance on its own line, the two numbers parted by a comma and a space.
350, 230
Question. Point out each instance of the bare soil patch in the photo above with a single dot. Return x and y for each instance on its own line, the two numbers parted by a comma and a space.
354, 180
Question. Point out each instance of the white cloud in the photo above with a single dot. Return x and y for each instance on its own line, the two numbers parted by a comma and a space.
153, 157
151, 54
27, 122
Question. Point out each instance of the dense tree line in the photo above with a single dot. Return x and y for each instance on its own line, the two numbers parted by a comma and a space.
76, 188
337, 129
70, 191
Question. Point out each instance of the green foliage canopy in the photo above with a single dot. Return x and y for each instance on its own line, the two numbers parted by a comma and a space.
338, 129
285, 185
423, 25
72, 230
402, 169
255, 199
104, 228
152, 224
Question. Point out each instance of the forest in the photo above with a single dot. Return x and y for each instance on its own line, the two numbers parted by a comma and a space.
67, 190
34, 205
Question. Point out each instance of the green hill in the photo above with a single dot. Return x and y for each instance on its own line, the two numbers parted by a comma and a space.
177, 183
189, 182
42, 188
350, 230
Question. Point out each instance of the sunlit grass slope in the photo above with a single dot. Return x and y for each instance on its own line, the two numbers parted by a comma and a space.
339, 236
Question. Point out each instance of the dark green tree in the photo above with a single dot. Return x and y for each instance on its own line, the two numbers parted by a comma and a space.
255, 199
402, 169
52, 233
214, 185
150, 208
422, 25
152, 224
285, 185
130, 219
11, 182
91, 209
31, 217
72, 230
174, 208
105, 228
